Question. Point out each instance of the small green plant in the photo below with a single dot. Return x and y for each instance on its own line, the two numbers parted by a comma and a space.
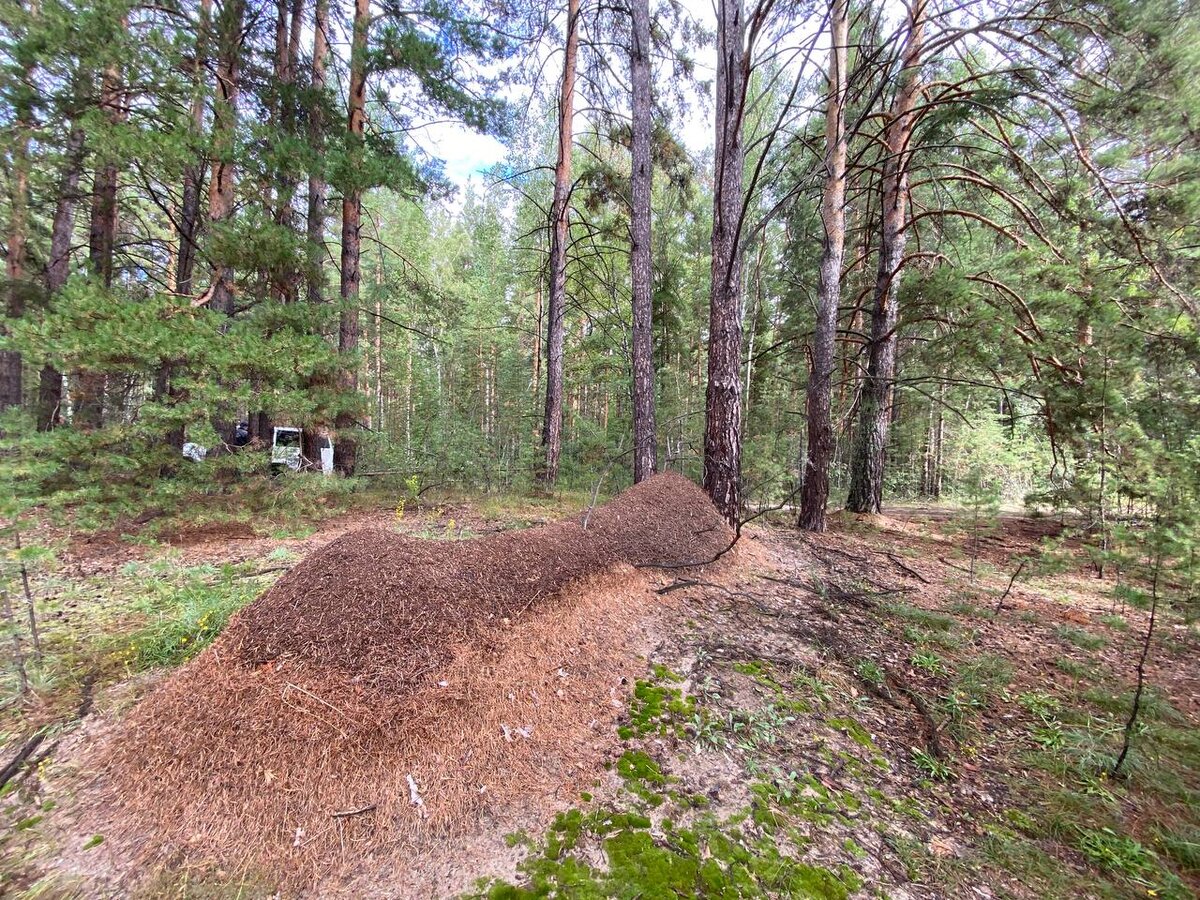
1072, 667
929, 662
708, 730
974, 610
959, 708
981, 496
412, 492
1182, 846
1117, 623
1040, 704
925, 618
1084, 640
925, 638
1050, 737
931, 765
870, 672
814, 685
983, 676
1115, 853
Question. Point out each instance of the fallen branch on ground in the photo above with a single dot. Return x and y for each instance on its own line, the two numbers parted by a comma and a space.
678, 585
347, 813
947, 562
1011, 582
913, 572
31, 743
35, 740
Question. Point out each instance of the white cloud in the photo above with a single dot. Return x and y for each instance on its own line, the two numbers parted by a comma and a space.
465, 152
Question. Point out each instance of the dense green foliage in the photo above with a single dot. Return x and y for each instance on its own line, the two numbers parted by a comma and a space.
1047, 343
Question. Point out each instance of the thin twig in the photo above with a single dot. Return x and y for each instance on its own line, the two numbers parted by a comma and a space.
587, 517
347, 813
947, 562
1011, 582
913, 572
33, 629
678, 585
1127, 738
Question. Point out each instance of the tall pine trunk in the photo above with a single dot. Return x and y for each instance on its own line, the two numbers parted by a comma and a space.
88, 400
223, 176
316, 178
559, 213
315, 288
58, 268
11, 364
188, 229
874, 414
345, 454
815, 492
193, 175
723, 405
645, 439
287, 35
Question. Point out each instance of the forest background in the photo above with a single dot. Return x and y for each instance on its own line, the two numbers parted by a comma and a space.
929, 249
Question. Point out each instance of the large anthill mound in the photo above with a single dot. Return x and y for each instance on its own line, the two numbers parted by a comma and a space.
389, 688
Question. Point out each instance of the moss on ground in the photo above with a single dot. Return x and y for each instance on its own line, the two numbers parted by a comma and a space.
713, 858
658, 708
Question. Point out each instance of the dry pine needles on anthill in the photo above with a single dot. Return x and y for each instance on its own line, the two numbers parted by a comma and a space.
389, 688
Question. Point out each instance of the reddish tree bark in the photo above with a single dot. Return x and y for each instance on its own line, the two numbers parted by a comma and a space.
89, 387
723, 404
874, 419
814, 496
345, 454
316, 179
58, 268
11, 364
188, 229
311, 439
645, 440
223, 176
193, 175
559, 212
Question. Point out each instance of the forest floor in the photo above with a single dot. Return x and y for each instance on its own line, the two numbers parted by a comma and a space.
853, 714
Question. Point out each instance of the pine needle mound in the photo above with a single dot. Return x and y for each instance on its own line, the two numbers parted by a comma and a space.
370, 593
388, 689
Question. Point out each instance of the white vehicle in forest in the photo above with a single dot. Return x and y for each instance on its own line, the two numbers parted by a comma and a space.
286, 449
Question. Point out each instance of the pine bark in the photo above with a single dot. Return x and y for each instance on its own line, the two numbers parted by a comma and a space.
316, 179
723, 406
874, 415
11, 364
552, 424
345, 455
814, 496
287, 35
222, 179
188, 230
89, 387
193, 175
315, 223
645, 438
58, 268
